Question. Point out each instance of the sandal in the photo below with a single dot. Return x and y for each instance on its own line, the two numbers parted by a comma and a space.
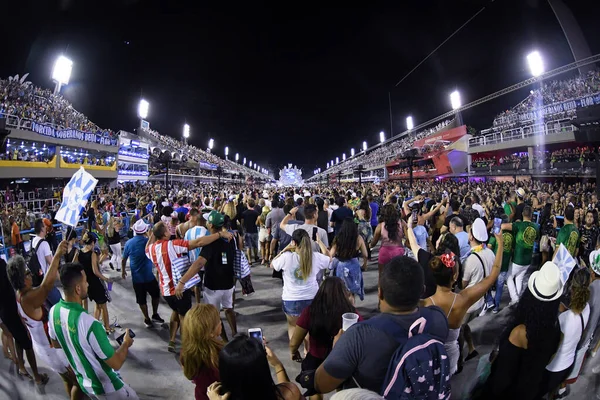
25, 375
110, 330
171, 347
45, 379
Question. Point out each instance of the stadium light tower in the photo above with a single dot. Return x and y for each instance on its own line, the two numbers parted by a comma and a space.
536, 63
352, 152
143, 107
455, 100
186, 132
226, 152
337, 160
382, 136
409, 123
237, 157
250, 163
211, 144
365, 146
61, 72
244, 163
344, 156
327, 166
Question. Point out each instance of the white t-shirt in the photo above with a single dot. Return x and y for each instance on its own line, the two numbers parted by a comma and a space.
474, 272
570, 326
42, 252
294, 287
479, 209
290, 228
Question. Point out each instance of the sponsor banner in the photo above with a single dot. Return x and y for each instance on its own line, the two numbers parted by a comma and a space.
450, 135
73, 134
207, 166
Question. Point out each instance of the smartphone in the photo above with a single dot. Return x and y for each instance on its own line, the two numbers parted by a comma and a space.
415, 212
314, 236
120, 338
497, 225
257, 334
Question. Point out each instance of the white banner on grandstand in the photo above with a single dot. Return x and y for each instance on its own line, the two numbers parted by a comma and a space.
75, 197
73, 134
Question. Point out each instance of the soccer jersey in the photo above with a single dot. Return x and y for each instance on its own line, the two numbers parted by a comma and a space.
86, 346
195, 233
163, 253
525, 233
569, 236
509, 241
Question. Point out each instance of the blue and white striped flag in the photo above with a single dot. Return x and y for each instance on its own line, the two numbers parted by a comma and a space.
75, 197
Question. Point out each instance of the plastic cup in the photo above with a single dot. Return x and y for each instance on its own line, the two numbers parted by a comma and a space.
348, 319
109, 287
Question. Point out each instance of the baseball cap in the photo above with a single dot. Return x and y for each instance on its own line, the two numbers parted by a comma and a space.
479, 230
214, 218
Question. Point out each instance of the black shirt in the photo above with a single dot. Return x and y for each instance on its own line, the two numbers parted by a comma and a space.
519, 212
217, 274
250, 216
339, 216
424, 257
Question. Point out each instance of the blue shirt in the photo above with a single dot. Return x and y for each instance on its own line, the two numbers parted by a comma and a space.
463, 244
194, 233
141, 266
182, 209
421, 235
374, 211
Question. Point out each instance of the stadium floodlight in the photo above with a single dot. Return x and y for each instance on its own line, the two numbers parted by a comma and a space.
337, 160
344, 156
61, 72
244, 163
382, 136
237, 157
536, 63
455, 100
365, 146
226, 151
143, 109
186, 131
250, 164
409, 123
352, 152
327, 166
211, 144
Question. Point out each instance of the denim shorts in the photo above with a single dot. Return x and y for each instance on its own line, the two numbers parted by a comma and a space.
295, 307
251, 241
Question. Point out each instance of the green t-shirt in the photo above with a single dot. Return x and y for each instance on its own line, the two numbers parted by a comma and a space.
569, 236
86, 346
526, 233
509, 207
508, 248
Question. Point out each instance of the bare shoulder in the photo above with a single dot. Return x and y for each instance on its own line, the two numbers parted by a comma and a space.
518, 336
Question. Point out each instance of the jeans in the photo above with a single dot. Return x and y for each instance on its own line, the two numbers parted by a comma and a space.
499, 288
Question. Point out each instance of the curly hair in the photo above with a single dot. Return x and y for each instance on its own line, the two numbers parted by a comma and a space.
580, 291
390, 218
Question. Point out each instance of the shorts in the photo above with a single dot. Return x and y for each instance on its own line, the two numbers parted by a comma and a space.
386, 253
470, 316
263, 235
125, 393
180, 306
294, 308
219, 298
54, 358
251, 240
577, 364
145, 288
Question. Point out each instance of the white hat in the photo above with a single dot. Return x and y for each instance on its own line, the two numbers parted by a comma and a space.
521, 192
140, 227
545, 284
479, 230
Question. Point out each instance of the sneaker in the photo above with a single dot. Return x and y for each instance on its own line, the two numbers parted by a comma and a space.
157, 318
148, 323
496, 310
485, 309
512, 303
562, 393
111, 266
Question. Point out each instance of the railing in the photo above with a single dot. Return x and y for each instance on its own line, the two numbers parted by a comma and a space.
546, 129
133, 154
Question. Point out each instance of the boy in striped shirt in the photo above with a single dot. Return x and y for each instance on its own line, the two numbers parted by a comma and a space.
85, 342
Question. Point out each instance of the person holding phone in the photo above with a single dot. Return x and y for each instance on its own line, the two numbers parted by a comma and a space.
311, 216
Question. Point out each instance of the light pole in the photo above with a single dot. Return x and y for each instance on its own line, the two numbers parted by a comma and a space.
381, 136
211, 144
244, 163
237, 157
186, 133
352, 152
365, 146
456, 103
409, 123
226, 152
61, 72
536, 63
343, 156
143, 107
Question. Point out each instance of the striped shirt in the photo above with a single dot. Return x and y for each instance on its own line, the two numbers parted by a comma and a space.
86, 346
195, 233
162, 254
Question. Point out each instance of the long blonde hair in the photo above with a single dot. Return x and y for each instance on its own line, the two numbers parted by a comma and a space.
304, 251
229, 209
200, 349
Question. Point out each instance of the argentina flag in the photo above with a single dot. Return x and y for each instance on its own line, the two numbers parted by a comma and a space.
75, 197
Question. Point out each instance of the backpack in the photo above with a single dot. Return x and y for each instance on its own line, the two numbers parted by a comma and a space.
37, 273
419, 368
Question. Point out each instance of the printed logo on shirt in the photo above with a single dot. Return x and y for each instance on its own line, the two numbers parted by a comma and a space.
507, 237
529, 236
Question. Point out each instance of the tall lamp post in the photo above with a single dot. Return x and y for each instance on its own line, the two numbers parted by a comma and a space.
186, 133
456, 103
61, 73
211, 144
143, 107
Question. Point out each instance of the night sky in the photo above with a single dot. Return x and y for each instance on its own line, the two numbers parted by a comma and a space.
288, 83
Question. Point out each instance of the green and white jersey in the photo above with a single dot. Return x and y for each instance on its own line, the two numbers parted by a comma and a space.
86, 346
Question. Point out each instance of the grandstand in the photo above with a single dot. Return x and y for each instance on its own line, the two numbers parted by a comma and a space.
49, 138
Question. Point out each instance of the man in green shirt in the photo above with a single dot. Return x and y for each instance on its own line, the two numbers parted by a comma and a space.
569, 234
85, 342
509, 239
525, 233
510, 205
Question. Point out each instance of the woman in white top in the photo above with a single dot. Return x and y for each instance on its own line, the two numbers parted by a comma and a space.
300, 265
572, 325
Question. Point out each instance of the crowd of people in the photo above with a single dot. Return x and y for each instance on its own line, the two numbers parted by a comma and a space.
444, 251
550, 92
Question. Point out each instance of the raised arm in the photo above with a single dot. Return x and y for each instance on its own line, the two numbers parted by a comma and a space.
412, 239
204, 240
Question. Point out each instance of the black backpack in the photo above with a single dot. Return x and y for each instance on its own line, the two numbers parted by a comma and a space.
37, 273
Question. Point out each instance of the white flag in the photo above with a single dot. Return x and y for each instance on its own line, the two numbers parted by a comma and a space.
565, 263
75, 197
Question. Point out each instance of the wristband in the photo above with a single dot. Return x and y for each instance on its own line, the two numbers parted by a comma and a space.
281, 370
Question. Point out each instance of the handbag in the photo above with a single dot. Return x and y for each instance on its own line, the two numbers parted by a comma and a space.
241, 267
